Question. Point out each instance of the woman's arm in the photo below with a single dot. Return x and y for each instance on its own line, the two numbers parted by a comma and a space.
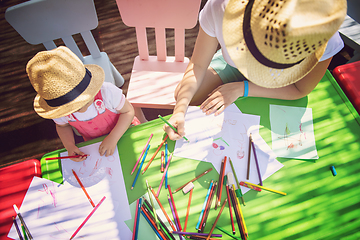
226, 94
187, 89
108, 145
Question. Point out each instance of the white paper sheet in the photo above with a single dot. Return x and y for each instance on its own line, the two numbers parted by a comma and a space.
292, 132
96, 169
212, 138
55, 211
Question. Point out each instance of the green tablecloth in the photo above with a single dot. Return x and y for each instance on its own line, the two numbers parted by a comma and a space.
317, 206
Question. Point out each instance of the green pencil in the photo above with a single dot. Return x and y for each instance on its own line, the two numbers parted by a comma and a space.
238, 191
172, 127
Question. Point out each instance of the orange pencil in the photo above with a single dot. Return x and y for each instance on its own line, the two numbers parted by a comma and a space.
188, 210
83, 188
152, 158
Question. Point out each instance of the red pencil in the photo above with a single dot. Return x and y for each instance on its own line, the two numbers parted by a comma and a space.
188, 210
152, 158
229, 202
173, 203
83, 188
75, 156
87, 218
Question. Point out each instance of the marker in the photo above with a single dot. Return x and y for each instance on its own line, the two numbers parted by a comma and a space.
334, 173
172, 127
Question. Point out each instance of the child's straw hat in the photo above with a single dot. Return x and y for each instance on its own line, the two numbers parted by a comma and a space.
275, 43
63, 83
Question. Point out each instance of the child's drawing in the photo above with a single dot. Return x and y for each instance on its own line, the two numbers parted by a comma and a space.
292, 132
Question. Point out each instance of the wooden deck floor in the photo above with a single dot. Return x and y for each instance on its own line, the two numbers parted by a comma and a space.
25, 135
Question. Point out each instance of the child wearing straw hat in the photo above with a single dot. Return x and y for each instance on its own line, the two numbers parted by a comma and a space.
75, 95
269, 48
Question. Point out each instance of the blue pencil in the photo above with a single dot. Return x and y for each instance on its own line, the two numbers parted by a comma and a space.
142, 162
138, 219
204, 205
146, 218
166, 159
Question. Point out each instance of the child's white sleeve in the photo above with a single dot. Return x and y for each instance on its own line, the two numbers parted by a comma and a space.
112, 96
60, 121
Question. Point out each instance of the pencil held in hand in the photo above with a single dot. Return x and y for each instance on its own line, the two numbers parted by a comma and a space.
171, 126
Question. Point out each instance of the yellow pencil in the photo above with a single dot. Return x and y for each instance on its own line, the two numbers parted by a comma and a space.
241, 214
267, 189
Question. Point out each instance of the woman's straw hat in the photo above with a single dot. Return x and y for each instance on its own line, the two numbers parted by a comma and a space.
63, 83
275, 43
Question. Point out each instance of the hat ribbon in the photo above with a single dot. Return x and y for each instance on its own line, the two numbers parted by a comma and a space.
250, 43
74, 93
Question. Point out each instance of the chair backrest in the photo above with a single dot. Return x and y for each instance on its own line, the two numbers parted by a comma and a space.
160, 14
42, 21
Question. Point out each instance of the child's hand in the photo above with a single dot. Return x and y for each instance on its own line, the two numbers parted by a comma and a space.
108, 146
76, 151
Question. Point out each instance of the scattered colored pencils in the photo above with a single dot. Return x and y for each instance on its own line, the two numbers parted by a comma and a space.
238, 191
153, 156
204, 204
87, 218
142, 153
217, 219
136, 219
163, 177
139, 170
83, 188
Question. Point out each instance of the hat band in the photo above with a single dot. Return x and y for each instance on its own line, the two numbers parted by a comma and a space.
74, 93
250, 43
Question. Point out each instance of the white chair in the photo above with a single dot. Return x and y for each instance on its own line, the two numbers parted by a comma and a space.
43, 21
154, 78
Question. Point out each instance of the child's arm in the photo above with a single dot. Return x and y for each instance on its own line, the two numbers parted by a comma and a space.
66, 136
108, 145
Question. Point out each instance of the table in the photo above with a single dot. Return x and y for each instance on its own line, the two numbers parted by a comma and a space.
318, 205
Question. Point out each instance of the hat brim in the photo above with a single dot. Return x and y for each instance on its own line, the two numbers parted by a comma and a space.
44, 110
247, 64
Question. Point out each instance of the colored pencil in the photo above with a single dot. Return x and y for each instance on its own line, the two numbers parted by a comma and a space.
22, 221
137, 218
217, 219
238, 192
221, 181
197, 234
65, 157
227, 233
173, 213
17, 228
163, 177
192, 180
207, 209
188, 209
266, 188
249, 157
236, 211
83, 188
24, 232
152, 205
174, 206
242, 218
204, 204
87, 218
163, 210
250, 186
139, 170
231, 216
152, 225
153, 156
256, 160
162, 161
164, 228
172, 127
166, 160
142, 153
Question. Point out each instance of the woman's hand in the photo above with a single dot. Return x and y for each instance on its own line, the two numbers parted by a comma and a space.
222, 97
178, 121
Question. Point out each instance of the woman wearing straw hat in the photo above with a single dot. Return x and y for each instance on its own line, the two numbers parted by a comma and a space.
75, 95
269, 48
